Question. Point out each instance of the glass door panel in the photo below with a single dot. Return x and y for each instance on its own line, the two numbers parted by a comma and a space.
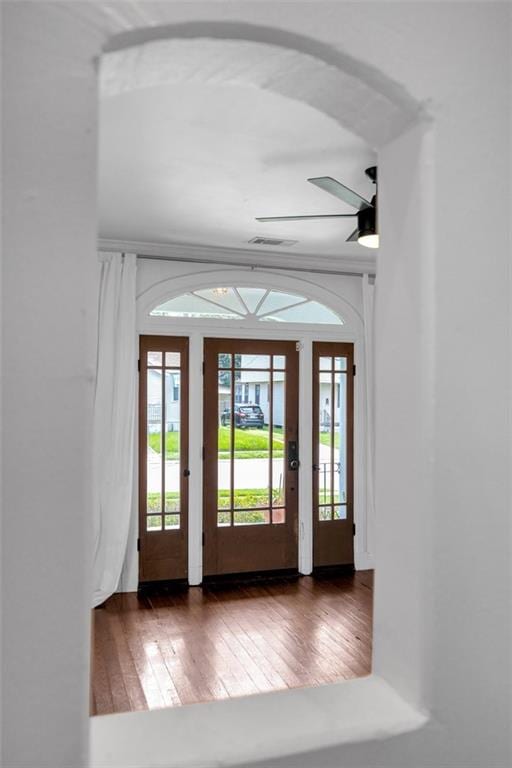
333, 440
163, 474
248, 484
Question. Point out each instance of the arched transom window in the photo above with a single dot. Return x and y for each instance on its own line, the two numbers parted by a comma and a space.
243, 303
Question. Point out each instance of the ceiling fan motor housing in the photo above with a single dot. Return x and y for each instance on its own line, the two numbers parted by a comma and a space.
366, 221
371, 172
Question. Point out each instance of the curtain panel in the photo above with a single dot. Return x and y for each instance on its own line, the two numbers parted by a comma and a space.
114, 421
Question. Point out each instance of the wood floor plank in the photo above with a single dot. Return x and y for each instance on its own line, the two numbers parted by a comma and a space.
157, 692
178, 646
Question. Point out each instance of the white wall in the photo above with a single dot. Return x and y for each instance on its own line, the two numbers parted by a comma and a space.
48, 362
452, 601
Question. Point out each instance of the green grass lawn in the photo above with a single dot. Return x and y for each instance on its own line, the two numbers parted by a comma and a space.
325, 438
172, 444
249, 443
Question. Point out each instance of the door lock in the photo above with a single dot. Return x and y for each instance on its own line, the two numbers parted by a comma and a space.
293, 455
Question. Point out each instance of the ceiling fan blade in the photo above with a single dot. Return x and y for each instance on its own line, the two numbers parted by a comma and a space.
339, 190
300, 218
353, 237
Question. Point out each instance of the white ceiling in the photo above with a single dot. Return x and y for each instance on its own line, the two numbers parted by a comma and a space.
196, 162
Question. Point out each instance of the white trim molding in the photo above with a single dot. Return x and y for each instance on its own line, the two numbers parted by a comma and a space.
249, 258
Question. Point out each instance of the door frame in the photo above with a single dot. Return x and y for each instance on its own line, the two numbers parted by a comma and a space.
197, 276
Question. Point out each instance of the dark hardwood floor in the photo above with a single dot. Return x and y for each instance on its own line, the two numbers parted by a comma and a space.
178, 646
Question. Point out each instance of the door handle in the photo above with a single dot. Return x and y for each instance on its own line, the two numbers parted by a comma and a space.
294, 464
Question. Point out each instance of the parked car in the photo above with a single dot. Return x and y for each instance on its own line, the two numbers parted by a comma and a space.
245, 416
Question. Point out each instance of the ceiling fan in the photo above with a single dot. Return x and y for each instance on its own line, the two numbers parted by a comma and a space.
366, 232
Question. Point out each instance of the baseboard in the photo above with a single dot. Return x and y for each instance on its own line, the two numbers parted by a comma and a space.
364, 561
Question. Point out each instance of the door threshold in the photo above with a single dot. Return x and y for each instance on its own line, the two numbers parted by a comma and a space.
251, 577
165, 586
327, 571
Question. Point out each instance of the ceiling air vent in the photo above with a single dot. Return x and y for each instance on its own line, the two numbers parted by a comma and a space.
271, 241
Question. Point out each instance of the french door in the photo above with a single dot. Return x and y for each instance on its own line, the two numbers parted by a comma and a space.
251, 459
163, 458
333, 448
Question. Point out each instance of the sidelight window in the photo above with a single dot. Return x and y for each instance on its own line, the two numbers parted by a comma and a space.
163, 473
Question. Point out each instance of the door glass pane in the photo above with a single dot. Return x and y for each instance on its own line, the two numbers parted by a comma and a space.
251, 297
251, 439
163, 461
325, 437
278, 445
279, 362
277, 300
332, 438
340, 437
154, 523
154, 443
340, 512
190, 305
172, 441
310, 312
225, 297
252, 517
252, 361
154, 358
250, 459
224, 436
224, 361
172, 359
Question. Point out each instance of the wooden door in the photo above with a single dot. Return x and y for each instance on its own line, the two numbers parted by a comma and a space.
163, 458
333, 449
250, 456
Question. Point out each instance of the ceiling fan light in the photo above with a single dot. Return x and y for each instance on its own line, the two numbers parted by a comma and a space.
367, 225
368, 239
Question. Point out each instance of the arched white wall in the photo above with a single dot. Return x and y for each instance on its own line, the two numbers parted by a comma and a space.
372, 106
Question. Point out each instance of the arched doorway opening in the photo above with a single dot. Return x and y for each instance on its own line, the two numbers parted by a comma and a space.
415, 146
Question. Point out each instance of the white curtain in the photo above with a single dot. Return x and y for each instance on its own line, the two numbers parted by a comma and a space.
114, 421
368, 303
